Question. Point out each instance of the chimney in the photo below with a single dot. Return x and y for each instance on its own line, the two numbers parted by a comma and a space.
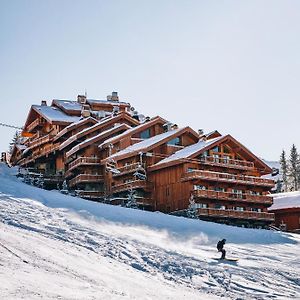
85, 111
114, 96
43, 103
81, 99
200, 132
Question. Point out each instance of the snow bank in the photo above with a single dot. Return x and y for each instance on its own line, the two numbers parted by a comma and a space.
179, 227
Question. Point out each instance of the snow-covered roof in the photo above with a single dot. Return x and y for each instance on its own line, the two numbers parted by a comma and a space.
131, 130
68, 104
54, 114
147, 143
116, 103
285, 200
189, 150
74, 125
21, 147
95, 138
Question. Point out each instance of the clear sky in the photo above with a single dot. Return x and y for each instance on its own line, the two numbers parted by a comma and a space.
227, 65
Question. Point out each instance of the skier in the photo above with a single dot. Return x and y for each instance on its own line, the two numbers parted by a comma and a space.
220, 246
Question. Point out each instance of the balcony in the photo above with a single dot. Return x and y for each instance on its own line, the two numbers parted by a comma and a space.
135, 184
226, 213
39, 141
129, 169
225, 177
226, 162
90, 194
85, 178
86, 161
35, 123
210, 194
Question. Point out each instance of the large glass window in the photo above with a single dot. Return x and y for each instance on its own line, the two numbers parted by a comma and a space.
174, 142
145, 134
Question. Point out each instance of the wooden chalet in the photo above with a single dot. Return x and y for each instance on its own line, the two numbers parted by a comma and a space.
286, 208
218, 178
104, 150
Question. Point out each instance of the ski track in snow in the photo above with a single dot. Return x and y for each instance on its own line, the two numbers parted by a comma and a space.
158, 253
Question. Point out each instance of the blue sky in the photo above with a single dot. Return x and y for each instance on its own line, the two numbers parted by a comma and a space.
226, 65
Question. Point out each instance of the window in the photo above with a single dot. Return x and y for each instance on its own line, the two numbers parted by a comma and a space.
255, 193
226, 149
216, 149
237, 193
216, 158
218, 206
174, 142
255, 209
145, 134
201, 205
191, 170
226, 159
199, 187
219, 189
239, 208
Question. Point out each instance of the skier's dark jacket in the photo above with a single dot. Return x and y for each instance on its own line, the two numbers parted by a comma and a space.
220, 245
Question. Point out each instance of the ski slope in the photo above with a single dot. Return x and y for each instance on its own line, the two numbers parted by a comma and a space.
54, 246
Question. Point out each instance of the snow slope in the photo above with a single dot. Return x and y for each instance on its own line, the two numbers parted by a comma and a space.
76, 249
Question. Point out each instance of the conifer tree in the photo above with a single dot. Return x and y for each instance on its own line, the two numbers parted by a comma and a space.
284, 170
294, 168
14, 141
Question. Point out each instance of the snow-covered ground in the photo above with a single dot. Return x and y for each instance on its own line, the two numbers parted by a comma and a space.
54, 246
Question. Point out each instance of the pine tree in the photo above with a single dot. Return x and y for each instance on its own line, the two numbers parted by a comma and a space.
284, 170
192, 210
14, 141
294, 168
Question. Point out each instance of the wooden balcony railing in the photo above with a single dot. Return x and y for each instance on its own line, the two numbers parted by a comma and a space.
227, 213
40, 141
35, 123
85, 178
225, 177
90, 194
129, 168
142, 184
83, 161
226, 162
210, 194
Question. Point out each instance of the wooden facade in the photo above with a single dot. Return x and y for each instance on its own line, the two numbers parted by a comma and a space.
287, 219
103, 150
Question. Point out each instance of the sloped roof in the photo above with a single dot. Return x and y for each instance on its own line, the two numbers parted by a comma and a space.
54, 114
287, 200
133, 130
97, 126
74, 125
68, 105
97, 137
146, 144
110, 102
195, 149
189, 150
